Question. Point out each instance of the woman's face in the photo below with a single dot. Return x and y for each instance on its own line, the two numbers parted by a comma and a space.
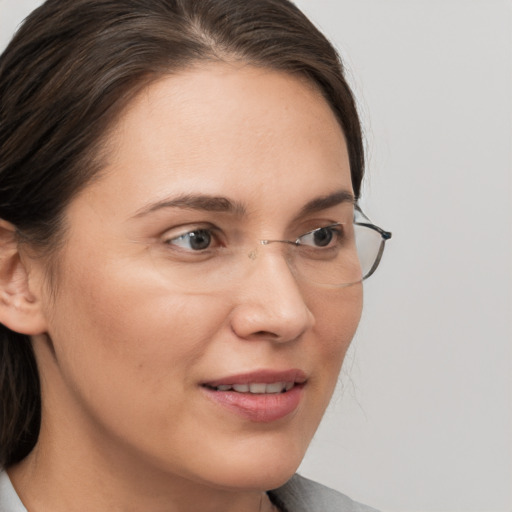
212, 157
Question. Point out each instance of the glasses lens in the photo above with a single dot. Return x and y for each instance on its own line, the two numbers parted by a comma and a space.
369, 248
335, 265
352, 259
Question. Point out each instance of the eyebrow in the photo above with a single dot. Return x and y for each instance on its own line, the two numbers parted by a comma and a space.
325, 202
204, 202
200, 202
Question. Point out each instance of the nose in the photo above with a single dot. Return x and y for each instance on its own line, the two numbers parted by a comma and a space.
269, 303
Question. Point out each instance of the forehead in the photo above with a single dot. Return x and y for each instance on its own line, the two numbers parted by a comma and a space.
224, 129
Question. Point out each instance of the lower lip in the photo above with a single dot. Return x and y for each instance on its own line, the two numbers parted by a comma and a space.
259, 408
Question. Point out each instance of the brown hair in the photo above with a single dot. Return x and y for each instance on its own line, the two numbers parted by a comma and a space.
64, 78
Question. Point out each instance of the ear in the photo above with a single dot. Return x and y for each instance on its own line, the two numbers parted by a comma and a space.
20, 309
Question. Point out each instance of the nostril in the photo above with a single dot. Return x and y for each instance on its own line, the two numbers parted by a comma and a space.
266, 334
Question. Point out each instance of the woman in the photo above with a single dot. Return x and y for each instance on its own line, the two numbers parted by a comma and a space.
179, 273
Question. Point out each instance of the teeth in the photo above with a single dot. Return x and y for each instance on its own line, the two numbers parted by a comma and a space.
259, 388
276, 387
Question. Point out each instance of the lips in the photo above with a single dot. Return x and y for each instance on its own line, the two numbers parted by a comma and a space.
294, 376
261, 396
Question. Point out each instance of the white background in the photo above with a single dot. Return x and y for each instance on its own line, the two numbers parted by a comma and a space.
422, 421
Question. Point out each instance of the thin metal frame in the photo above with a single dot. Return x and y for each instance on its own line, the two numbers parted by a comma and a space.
385, 235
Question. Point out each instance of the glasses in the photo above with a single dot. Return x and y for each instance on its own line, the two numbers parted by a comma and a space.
370, 241
336, 255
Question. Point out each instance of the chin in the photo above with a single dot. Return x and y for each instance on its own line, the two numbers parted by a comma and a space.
259, 465
254, 477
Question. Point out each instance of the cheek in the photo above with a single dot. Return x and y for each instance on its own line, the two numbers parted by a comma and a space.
125, 337
337, 317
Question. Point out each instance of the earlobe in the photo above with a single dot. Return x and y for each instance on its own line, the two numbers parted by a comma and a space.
20, 308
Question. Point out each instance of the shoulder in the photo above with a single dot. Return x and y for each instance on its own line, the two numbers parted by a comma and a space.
9, 501
303, 495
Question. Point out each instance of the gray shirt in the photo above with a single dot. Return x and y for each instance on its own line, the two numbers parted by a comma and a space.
298, 495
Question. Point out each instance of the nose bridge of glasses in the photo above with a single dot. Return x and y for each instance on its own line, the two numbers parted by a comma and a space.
268, 242
255, 252
275, 266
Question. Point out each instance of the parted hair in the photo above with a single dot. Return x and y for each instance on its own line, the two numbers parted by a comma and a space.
69, 71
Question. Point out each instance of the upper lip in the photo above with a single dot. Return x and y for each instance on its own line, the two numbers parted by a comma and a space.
261, 376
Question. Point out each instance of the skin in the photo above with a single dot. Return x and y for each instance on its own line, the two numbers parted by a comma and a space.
123, 346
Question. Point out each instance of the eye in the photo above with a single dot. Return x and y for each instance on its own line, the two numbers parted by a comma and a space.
196, 240
322, 237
